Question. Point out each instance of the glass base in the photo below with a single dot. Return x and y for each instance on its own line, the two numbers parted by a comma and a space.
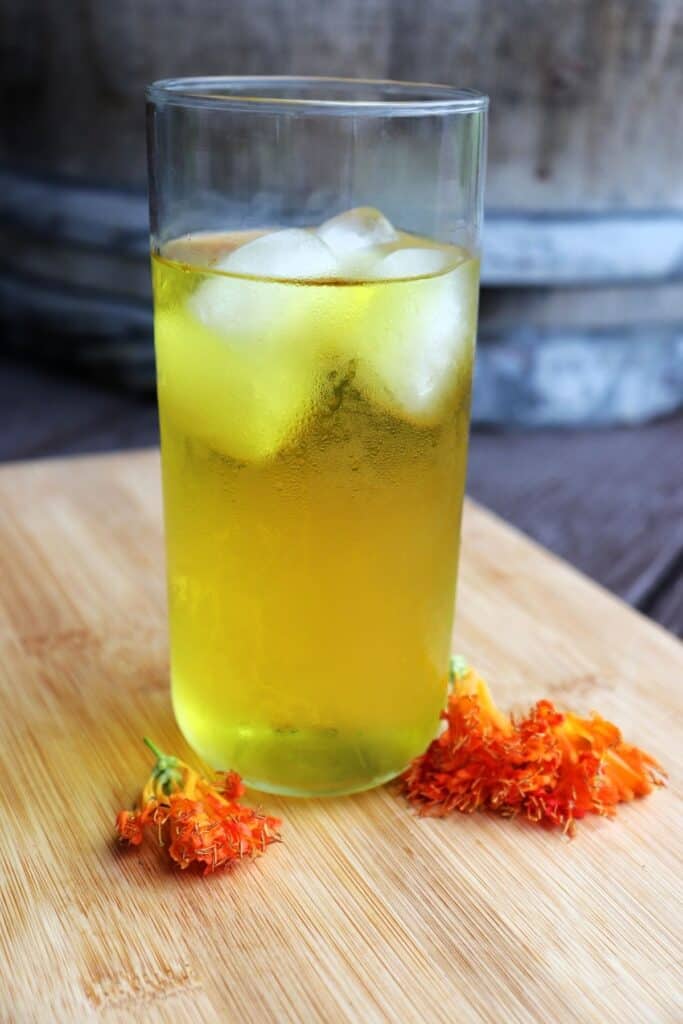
275, 790
308, 762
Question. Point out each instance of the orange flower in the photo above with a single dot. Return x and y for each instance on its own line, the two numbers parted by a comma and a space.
553, 768
129, 827
197, 822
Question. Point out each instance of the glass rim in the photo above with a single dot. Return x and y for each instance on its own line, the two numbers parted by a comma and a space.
245, 93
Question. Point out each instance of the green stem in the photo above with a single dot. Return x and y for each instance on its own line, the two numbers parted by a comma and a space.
153, 747
458, 668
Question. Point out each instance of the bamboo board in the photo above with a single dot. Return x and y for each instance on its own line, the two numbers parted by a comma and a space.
364, 913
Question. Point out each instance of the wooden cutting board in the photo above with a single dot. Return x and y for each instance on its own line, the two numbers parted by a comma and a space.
365, 913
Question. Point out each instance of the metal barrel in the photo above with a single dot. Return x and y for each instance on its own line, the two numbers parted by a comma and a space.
582, 307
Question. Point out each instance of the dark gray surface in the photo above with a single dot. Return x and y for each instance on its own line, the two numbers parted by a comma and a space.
610, 501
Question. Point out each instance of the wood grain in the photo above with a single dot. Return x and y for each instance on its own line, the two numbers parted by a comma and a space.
585, 107
365, 913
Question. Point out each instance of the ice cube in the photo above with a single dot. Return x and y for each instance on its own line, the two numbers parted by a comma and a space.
266, 307
290, 254
243, 401
404, 263
260, 308
243, 311
248, 351
414, 342
356, 234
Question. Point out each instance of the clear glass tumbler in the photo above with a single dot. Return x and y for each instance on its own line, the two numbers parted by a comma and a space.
315, 263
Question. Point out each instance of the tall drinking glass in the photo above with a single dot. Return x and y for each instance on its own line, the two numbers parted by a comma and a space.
315, 263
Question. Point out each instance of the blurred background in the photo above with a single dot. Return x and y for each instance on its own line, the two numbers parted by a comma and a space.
578, 429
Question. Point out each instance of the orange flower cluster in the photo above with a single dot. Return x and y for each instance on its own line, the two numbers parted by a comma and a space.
550, 767
197, 822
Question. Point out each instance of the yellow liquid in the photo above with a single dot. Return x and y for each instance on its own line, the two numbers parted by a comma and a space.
312, 523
